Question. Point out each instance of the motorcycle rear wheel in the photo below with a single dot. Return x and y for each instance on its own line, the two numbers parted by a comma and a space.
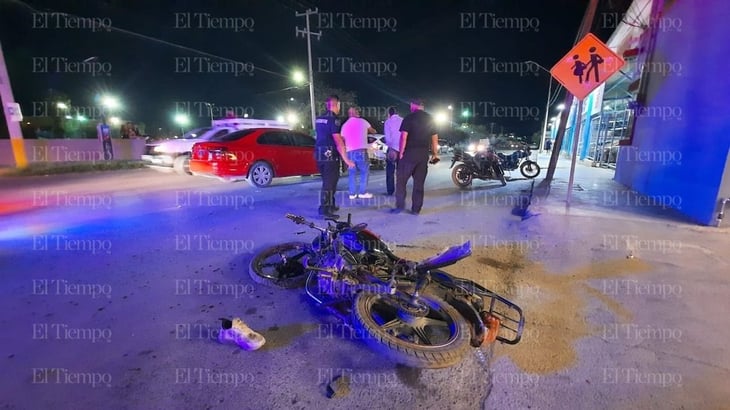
433, 336
461, 176
530, 169
269, 268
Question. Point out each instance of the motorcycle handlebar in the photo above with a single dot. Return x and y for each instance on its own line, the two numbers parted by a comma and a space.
299, 220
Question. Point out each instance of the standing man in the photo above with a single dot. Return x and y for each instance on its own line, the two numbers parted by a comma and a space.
328, 150
103, 132
418, 134
392, 141
355, 133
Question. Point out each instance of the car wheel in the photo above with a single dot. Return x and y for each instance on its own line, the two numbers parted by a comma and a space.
261, 174
181, 165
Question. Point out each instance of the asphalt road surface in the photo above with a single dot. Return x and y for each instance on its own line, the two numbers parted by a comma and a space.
114, 283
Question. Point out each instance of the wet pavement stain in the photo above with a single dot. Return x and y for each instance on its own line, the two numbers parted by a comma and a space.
554, 304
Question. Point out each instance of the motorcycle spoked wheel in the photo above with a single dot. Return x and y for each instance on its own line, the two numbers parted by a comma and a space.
461, 176
433, 335
530, 169
268, 267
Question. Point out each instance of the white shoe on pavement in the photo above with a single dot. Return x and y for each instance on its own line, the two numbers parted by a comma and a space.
353, 196
366, 195
237, 332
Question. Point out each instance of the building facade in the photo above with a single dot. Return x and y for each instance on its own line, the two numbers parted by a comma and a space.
663, 121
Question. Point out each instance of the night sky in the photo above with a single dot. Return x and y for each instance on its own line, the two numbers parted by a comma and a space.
464, 53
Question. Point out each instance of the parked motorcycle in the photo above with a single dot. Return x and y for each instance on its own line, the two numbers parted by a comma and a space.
413, 312
485, 165
520, 159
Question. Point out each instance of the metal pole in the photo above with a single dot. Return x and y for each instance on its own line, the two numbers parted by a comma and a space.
311, 75
576, 140
547, 112
309, 35
14, 131
558, 142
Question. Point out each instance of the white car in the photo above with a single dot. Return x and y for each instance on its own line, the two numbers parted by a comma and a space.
377, 149
175, 152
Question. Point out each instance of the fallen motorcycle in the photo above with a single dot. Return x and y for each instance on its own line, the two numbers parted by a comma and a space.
413, 312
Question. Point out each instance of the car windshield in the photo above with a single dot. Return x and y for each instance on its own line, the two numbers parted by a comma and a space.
196, 133
233, 136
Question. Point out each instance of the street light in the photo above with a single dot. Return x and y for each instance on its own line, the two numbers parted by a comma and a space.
210, 111
280, 118
115, 121
110, 102
440, 117
62, 106
292, 118
298, 77
182, 120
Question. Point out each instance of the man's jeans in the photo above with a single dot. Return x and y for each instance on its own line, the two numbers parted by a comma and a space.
362, 167
391, 163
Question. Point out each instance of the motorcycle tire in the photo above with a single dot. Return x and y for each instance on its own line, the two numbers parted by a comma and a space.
461, 176
499, 173
404, 344
289, 275
530, 169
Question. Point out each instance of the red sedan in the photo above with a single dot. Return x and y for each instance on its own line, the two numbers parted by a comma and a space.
256, 154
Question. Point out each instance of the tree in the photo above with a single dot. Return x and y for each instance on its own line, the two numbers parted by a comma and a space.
321, 92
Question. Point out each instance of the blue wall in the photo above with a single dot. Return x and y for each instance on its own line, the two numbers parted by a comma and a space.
681, 142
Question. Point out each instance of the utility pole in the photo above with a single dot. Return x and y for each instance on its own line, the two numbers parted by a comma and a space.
585, 28
308, 33
547, 114
11, 110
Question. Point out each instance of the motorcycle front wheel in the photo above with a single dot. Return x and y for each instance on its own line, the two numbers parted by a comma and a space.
461, 176
428, 334
280, 266
530, 169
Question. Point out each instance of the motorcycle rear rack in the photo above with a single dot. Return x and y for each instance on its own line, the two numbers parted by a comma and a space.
511, 317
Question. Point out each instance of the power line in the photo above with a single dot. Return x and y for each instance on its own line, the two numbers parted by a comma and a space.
154, 39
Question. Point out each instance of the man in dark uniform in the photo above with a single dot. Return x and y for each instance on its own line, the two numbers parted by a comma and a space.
418, 134
328, 151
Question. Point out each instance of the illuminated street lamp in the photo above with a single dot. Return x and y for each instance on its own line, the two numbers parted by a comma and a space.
110, 102
280, 118
441, 118
292, 118
80, 118
298, 77
115, 121
182, 120
62, 106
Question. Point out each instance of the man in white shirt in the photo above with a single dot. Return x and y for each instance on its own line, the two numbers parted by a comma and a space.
355, 133
392, 140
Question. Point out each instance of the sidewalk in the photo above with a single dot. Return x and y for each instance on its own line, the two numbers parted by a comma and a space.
596, 194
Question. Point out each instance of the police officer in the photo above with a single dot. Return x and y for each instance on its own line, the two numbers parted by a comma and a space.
329, 150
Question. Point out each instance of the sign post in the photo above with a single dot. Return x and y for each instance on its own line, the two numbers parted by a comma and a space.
586, 66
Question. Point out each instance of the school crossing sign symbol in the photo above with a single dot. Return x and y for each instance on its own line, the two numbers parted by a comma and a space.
588, 65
